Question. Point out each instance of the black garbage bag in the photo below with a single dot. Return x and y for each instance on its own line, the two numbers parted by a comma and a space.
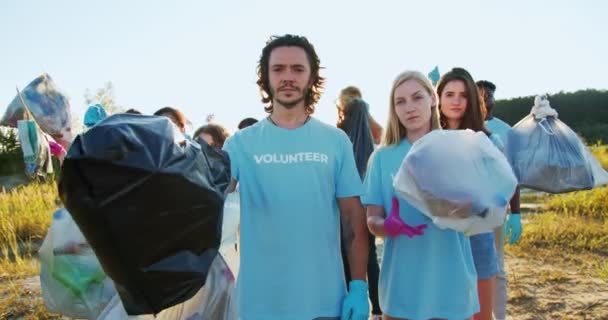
150, 208
356, 126
219, 164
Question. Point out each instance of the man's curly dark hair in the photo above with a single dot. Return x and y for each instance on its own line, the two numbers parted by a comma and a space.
314, 93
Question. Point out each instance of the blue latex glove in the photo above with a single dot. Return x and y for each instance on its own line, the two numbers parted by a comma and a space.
513, 227
94, 114
356, 304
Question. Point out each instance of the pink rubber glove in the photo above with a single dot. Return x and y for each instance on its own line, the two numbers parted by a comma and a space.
56, 149
394, 226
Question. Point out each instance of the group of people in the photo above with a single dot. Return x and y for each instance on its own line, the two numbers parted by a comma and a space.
211, 133
309, 191
314, 197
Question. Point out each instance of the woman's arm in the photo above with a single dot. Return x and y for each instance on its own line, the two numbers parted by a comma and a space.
375, 220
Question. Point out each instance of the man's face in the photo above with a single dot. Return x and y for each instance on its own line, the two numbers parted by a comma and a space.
488, 97
289, 76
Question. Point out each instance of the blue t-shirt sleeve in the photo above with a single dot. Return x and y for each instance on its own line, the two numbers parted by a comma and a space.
348, 181
373, 184
230, 146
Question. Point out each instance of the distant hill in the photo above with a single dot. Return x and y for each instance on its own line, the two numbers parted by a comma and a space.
585, 111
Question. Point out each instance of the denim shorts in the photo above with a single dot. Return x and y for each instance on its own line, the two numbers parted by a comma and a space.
484, 255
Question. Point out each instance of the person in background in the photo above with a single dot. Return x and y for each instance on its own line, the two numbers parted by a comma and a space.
133, 111
214, 134
512, 226
246, 123
346, 95
175, 116
354, 121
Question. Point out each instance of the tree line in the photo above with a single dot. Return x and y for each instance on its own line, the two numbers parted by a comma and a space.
585, 111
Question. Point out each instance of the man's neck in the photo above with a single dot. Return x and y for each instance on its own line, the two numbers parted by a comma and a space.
289, 118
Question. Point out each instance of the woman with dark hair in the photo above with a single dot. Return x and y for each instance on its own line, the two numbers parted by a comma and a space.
461, 107
354, 120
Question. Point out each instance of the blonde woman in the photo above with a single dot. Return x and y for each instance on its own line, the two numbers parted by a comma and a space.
428, 276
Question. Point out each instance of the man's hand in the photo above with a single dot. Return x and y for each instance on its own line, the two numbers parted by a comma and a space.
356, 304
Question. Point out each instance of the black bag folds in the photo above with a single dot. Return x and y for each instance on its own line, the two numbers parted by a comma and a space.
150, 207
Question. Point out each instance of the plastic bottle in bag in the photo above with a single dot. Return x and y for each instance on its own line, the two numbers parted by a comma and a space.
72, 280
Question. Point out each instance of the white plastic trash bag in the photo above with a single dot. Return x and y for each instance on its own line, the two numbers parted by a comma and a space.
230, 218
459, 179
72, 280
230, 227
215, 300
547, 155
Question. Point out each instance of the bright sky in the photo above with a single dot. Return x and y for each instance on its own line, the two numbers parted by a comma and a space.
200, 56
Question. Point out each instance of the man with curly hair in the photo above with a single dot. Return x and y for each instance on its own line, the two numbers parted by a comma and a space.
297, 176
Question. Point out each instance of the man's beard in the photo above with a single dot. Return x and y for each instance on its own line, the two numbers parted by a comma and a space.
291, 104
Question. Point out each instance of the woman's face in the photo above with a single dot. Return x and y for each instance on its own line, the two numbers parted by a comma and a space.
413, 105
454, 100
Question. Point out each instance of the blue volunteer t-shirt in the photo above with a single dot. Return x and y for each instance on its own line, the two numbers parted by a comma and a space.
291, 266
424, 277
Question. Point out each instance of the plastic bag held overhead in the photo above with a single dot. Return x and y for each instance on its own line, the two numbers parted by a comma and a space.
459, 179
150, 208
50, 108
547, 155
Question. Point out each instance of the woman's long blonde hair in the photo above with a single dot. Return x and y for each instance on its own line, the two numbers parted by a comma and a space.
395, 131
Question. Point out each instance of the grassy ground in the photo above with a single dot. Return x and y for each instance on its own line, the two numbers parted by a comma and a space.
559, 269
25, 215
